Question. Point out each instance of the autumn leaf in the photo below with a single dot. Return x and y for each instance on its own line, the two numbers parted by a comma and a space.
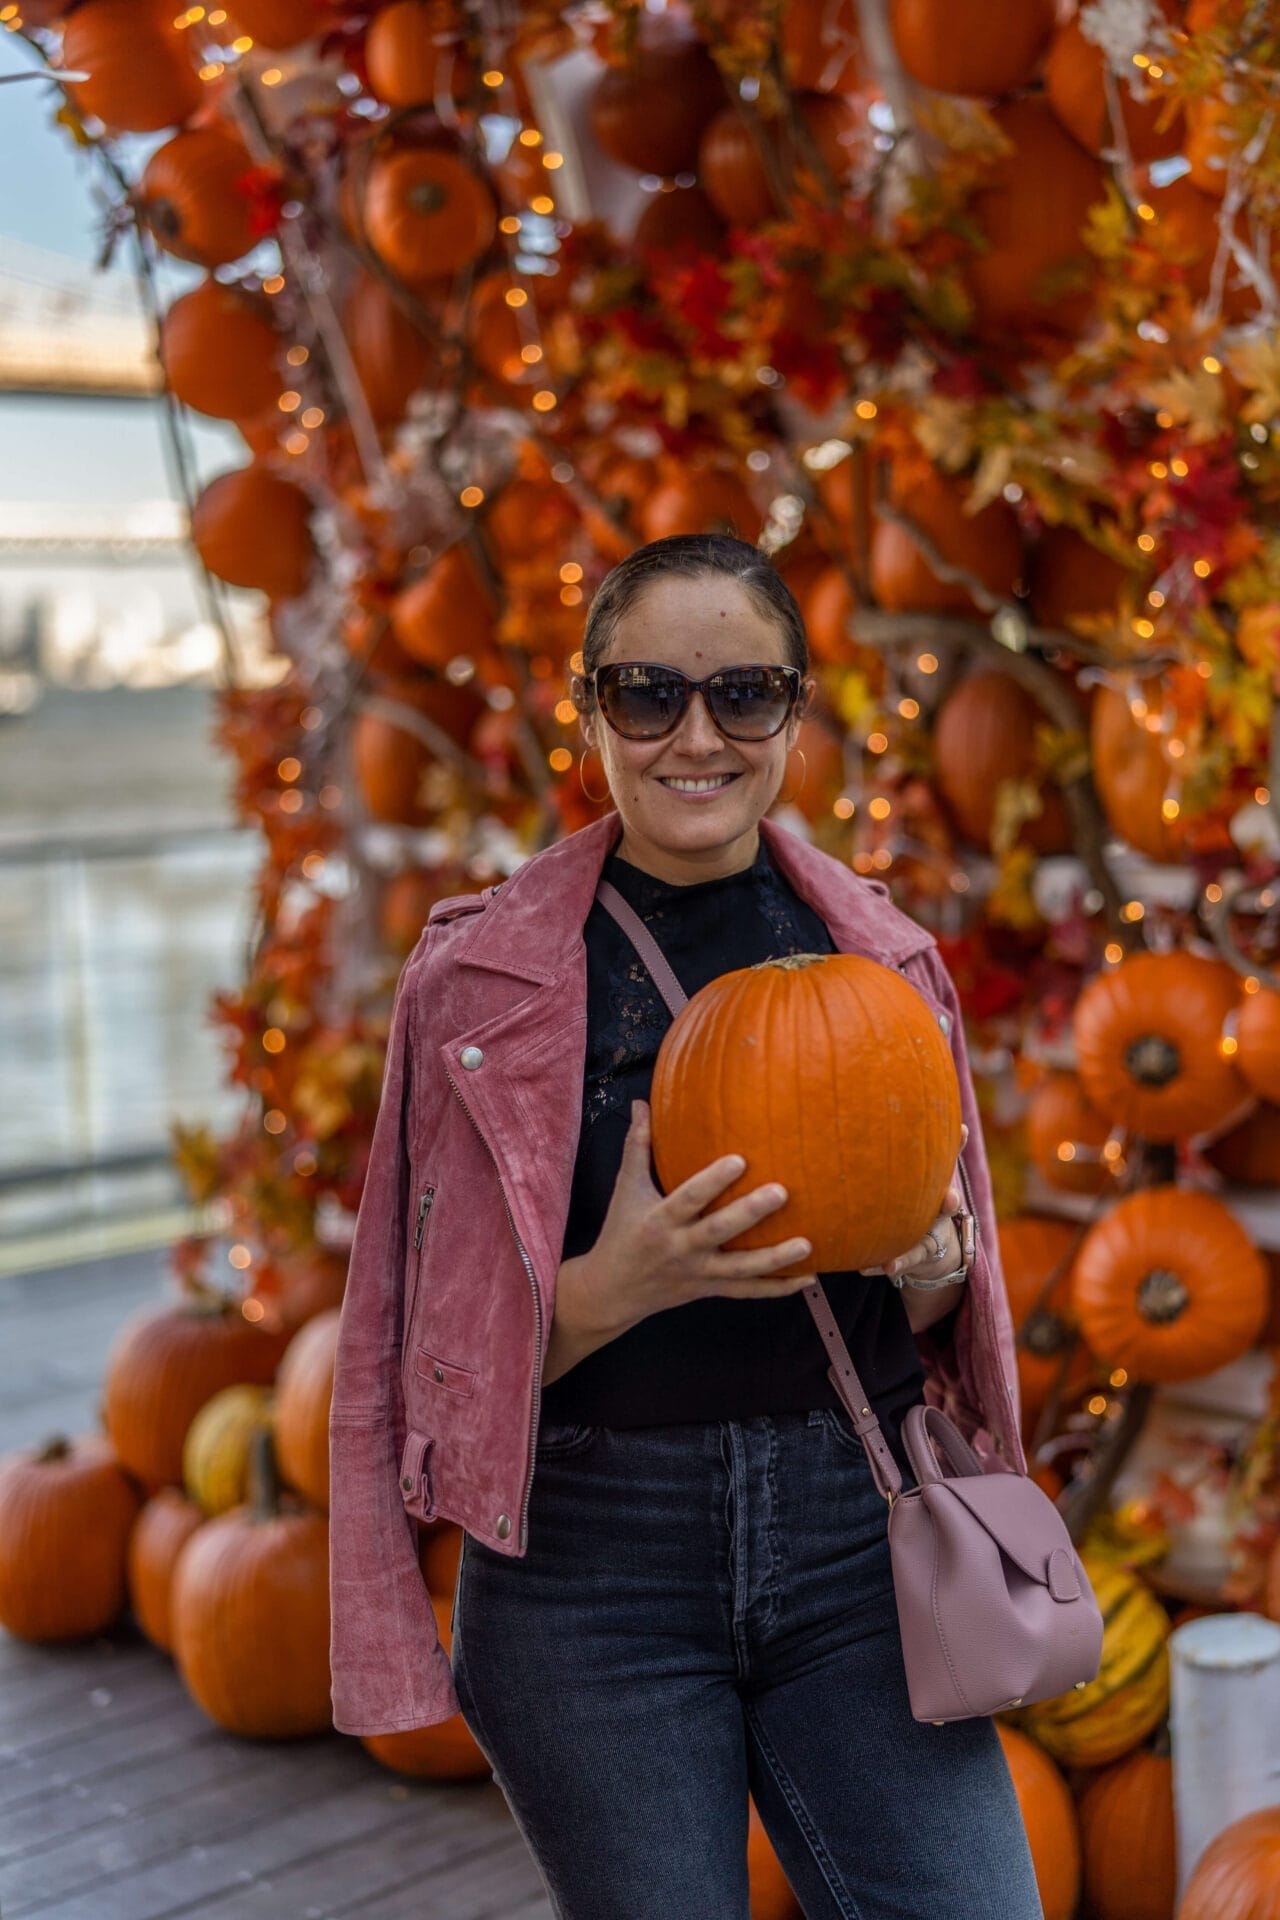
1256, 365
1194, 399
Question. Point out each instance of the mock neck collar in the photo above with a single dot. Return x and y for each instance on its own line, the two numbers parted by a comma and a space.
639, 887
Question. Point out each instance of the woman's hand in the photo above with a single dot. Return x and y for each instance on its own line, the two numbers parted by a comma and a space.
657, 1251
923, 1262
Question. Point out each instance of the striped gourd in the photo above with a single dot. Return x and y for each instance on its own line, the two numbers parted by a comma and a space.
1130, 1695
215, 1453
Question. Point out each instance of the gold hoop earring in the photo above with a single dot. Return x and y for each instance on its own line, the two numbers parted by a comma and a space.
595, 798
791, 798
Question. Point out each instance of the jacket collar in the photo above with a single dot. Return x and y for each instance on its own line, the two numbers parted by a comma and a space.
532, 925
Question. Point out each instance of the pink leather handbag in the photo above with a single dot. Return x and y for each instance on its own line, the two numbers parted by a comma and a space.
995, 1608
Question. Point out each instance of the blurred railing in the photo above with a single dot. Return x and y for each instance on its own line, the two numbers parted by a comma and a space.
110, 949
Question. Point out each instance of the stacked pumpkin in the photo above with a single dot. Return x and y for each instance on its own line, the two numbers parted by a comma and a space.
203, 1506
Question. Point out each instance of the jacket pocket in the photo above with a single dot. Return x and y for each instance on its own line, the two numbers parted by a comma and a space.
415, 1475
443, 1373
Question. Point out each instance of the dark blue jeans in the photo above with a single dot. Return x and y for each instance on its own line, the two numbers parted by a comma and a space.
703, 1610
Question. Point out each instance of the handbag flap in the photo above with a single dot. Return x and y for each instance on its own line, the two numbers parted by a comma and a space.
1023, 1522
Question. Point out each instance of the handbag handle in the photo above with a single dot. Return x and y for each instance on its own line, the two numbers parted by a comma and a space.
842, 1372
927, 1428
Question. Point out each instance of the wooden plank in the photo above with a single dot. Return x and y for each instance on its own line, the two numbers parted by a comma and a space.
360, 1813
437, 1826
126, 1845
37, 1679
151, 1684
169, 1729
498, 1881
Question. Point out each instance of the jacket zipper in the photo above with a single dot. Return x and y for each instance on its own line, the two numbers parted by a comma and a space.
537, 1312
424, 1208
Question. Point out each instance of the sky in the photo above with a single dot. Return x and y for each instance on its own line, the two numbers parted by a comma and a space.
58, 449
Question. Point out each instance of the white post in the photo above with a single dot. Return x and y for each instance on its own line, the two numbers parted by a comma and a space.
1224, 1726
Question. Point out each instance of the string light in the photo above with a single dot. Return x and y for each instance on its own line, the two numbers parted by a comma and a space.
909, 709
331, 797
866, 409
559, 759
1263, 796
516, 297
531, 355
313, 866
274, 1121
275, 284
1180, 468
1113, 952
1144, 629
1145, 212
927, 662
1155, 598
213, 70
1211, 363
297, 442
1175, 748
272, 77
240, 1257
509, 223
571, 596
565, 712
1066, 1150
1132, 911
1098, 1403
289, 769
298, 356
843, 807
291, 801
1119, 1378
313, 417
311, 718
882, 858
544, 400
571, 573
273, 1040
551, 160
1202, 569
243, 44
877, 742
1170, 808
542, 203
289, 401
471, 497
1158, 470
494, 77
879, 808
1146, 542
1213, 892
305, 1162
1252, 983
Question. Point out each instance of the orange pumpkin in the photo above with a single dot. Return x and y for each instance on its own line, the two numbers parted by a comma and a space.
407, 899
66, 1510
985, 544
1032, 1248
392, 766
190, 198
1049, 1816
445, 1751
141, 76
1133, 780
1237, 1877
528, 520
1072, 580
823, 1071
300, 1285
218, 350
829, 608
426, 213
1126, 1824
250, 1613
393, 358
769, 1892
281, 23
731, 170
1169, 1285
985, 734
679, 220
304, 1389
161, 1531
700, 500
1075, 89
164, 1363
967, 46
413, 49
1147, 1040
1258, 1042
1035, 270
650, 113
821, 46
445, 613
252, 529
1249, 1153
1184, 231
1066, 1136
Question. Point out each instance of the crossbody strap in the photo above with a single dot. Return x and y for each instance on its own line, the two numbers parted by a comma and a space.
842, 1373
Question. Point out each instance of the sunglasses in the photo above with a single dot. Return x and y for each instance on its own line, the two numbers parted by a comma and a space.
643, 700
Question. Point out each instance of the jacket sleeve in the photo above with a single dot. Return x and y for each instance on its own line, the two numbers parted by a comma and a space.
977, 1367
388, 1669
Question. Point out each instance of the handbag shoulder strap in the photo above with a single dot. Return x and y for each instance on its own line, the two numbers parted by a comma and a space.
842, 1373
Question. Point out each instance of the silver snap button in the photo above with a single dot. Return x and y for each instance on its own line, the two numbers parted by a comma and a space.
406, 1483
503, 1527
439, 1372
944, 1021
471, 1056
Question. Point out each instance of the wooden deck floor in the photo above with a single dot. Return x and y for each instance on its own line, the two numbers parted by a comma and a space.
119, 1800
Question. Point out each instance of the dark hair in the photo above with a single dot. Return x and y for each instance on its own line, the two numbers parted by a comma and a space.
693, 555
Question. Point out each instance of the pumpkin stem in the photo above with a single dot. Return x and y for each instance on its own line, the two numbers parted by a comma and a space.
1044, 1334
1162, 1296
163, 219
1153, 1060
791, 961
56, 1447
427, 196
264, 1475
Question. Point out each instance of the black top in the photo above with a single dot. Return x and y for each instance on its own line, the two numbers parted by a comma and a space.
717, 1358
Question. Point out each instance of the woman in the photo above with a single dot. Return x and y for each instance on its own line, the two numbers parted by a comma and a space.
675, 1584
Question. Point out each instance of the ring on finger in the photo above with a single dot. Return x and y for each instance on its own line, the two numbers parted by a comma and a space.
936, 1245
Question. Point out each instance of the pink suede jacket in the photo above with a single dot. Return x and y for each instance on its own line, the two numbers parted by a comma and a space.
451, 1292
